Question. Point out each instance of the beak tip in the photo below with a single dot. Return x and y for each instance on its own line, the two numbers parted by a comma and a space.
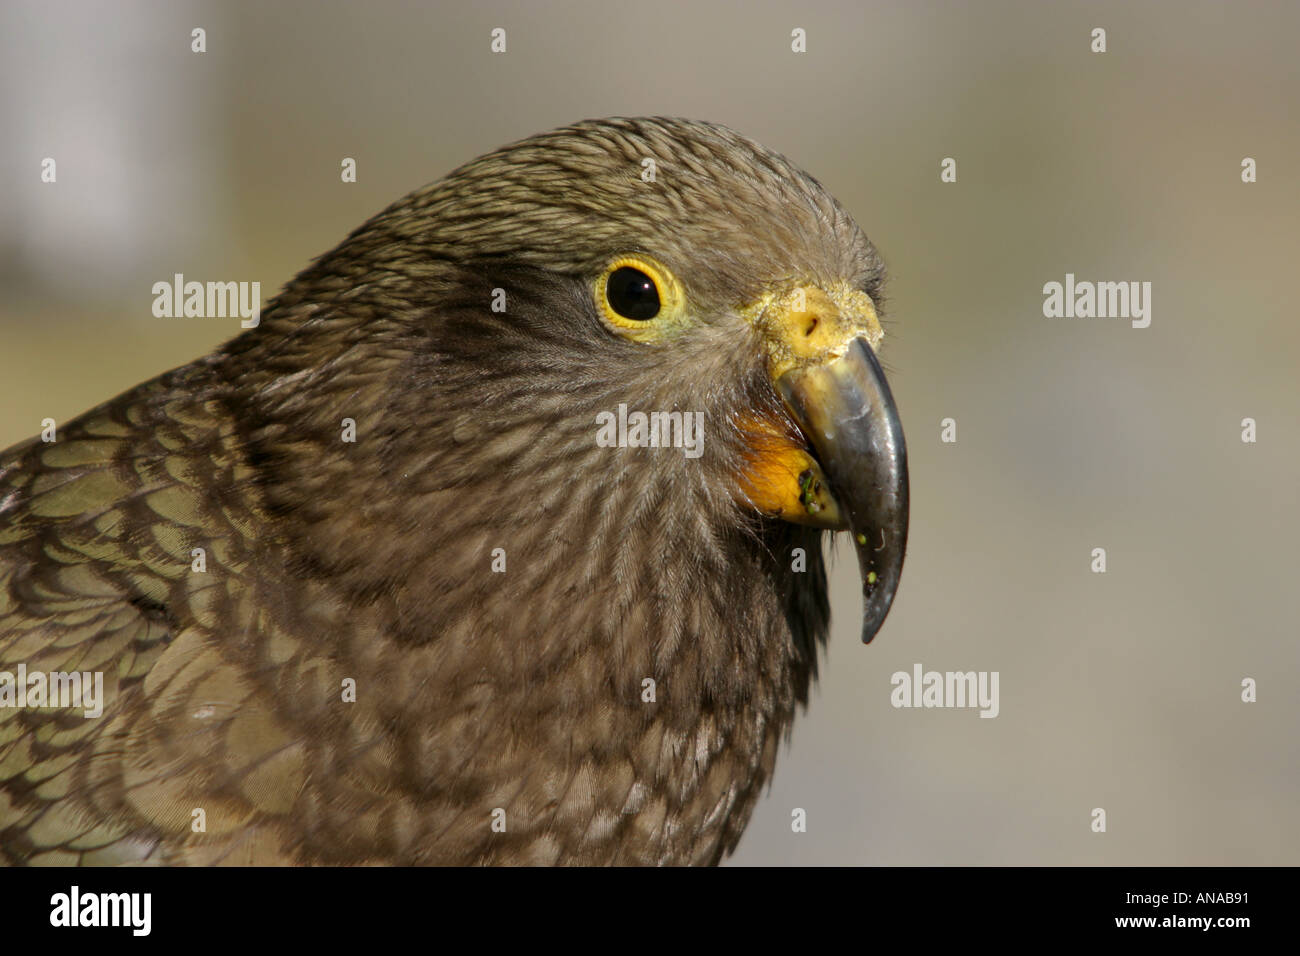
876, 606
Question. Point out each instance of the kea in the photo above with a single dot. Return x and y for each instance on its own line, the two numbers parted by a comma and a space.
499, 540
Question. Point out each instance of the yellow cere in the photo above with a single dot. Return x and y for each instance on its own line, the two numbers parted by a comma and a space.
809, 324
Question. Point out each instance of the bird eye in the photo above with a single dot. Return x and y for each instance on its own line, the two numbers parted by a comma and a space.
632, 294
640, 298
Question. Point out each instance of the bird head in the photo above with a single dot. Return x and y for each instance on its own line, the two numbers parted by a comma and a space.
480, 330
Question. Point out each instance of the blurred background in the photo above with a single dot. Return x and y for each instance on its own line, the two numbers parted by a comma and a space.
1119, 690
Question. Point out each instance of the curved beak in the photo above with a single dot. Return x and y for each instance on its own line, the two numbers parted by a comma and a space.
843, 405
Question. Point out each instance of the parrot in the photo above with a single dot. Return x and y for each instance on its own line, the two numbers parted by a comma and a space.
499, 540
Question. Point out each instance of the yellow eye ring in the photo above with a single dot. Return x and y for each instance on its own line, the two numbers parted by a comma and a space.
636, 294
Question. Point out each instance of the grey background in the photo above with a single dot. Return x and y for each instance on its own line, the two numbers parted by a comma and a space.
1119, 690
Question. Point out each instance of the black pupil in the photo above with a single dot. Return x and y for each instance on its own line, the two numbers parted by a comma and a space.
632, 294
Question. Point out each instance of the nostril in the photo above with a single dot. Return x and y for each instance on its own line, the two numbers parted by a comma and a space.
812, 326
